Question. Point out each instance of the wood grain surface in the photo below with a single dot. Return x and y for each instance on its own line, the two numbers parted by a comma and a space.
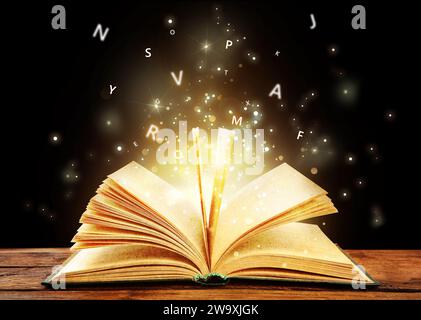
398, 271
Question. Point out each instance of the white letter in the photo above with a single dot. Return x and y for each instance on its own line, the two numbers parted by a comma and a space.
228, 44
169, 147
300, 134
59, 280
258, 160
237, 121
277, 91
112, 89
182, 137
180, 77
148, 53
58, 21
199, 148
102, 34
313, 21
238, 146
153, 130
358, 22
358, 282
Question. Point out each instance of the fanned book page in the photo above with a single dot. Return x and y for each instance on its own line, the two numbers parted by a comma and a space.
274, 195
138, 227
291, 251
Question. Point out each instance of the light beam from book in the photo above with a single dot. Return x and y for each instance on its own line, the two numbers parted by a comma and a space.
222, 159
196, 142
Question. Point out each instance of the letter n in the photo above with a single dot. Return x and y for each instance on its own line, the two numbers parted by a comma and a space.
102, 33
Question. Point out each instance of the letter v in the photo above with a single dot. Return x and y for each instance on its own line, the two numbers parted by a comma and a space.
180, 77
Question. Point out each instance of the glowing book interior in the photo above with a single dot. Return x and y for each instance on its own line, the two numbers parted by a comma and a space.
138, 227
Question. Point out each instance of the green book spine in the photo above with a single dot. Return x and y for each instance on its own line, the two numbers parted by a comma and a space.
211, 279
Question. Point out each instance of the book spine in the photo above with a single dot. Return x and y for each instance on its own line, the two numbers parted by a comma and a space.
211, 279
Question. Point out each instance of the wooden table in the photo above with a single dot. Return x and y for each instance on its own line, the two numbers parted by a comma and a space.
399, 271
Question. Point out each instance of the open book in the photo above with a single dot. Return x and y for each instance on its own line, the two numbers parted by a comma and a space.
139, 227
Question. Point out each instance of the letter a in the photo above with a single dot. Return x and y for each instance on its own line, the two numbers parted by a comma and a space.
59, 20
102, 33
276, 91
358, 22
180, 77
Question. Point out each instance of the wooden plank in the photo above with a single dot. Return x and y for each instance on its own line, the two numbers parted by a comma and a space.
21, 271
394, 269
33, 257
174, 293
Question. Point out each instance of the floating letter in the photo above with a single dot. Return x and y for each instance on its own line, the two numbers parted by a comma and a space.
276, 91
313, 21
59, 20
180, 77
153, 130
358, 21
237, 121
102, 33
148, 53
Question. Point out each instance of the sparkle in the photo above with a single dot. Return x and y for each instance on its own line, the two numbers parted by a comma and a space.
350, 158
206, 46
333, 50
55, 138
156, 103
360, 183
390, 116
377, 216
345, 194
371, 148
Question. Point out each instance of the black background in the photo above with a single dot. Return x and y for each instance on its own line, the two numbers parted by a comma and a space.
54, 78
